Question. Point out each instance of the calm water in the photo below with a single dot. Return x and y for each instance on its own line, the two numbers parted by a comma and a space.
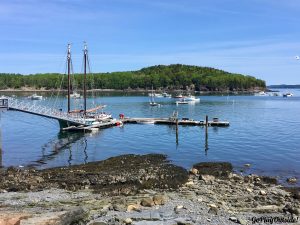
264, 131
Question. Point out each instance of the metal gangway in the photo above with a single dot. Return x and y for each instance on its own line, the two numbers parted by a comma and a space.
44, 111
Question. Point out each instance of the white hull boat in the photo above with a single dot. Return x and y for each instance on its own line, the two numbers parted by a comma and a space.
35, 97
192, 98
287, 95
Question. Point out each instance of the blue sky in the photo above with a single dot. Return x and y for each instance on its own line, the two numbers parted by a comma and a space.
257, 37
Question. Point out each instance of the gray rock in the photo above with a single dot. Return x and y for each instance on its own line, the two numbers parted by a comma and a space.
242, 221
97, 223
57, 218
213, 210
119, 207
292, 180
128, 221
233, 219
207, 178
159, 199
182, 221
147, 202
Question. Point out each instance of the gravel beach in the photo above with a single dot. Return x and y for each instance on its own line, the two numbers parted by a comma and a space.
133, 189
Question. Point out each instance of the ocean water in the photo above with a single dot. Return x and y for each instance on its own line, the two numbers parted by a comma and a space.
264, 131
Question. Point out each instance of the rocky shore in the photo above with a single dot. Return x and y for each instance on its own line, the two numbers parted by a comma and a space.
148, 189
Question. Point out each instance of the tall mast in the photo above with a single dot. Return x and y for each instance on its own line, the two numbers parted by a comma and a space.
69, 78
84, 79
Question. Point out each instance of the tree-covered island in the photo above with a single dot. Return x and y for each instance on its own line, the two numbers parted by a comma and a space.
171, 77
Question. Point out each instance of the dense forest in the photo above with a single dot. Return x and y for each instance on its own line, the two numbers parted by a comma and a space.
159, 77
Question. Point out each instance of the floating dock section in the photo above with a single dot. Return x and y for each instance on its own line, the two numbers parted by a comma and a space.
184, 121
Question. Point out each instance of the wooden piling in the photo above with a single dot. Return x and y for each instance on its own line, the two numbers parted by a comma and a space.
206, 141
206, 134
177, 131
0, 148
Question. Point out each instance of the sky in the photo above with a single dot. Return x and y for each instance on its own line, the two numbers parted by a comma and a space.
258, 37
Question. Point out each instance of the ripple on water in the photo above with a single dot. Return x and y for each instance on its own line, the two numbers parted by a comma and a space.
264, 132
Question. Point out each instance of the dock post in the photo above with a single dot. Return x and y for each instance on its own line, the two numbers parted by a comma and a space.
206, 141
206, 134
0, 145
177, 131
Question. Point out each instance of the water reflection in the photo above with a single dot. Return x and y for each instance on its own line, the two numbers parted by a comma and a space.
64, 141
0, 144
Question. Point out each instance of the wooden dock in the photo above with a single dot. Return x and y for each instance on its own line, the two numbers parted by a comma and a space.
169, 121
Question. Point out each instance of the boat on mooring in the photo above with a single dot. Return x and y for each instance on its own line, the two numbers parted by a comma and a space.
152, 99
192, 98
35, 97
287, 95
75, 95
182, 102
92, 118
166, 95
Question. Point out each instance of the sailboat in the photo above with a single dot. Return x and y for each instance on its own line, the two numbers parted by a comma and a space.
152, 101
92, 116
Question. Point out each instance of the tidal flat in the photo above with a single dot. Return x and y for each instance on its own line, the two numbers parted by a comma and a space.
143, 189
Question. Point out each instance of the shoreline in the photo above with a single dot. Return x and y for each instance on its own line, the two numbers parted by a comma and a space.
133, 91
143, 189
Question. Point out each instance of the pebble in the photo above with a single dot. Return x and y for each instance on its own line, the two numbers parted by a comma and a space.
190, 183
242, 221
249, 190
233, 219
128, 221
133, 208
262, 192
194, 171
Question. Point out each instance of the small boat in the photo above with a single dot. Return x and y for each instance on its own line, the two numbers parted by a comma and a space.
35, 97
152, 101
103, 116
287, 95
192, 98
154, 104
166, 95
75, 95
182, 101
155, 95
179, 96
261, 93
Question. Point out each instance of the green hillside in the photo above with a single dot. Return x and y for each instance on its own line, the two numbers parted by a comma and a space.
175, 76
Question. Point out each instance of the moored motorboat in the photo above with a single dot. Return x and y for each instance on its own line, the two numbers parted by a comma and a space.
182, 101
192, 98
261, 93
35, 97
166, 95
75, 95
179, 96
287, 95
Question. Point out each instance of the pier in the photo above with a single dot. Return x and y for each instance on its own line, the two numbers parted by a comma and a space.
75, 122
172, 121
66, 120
